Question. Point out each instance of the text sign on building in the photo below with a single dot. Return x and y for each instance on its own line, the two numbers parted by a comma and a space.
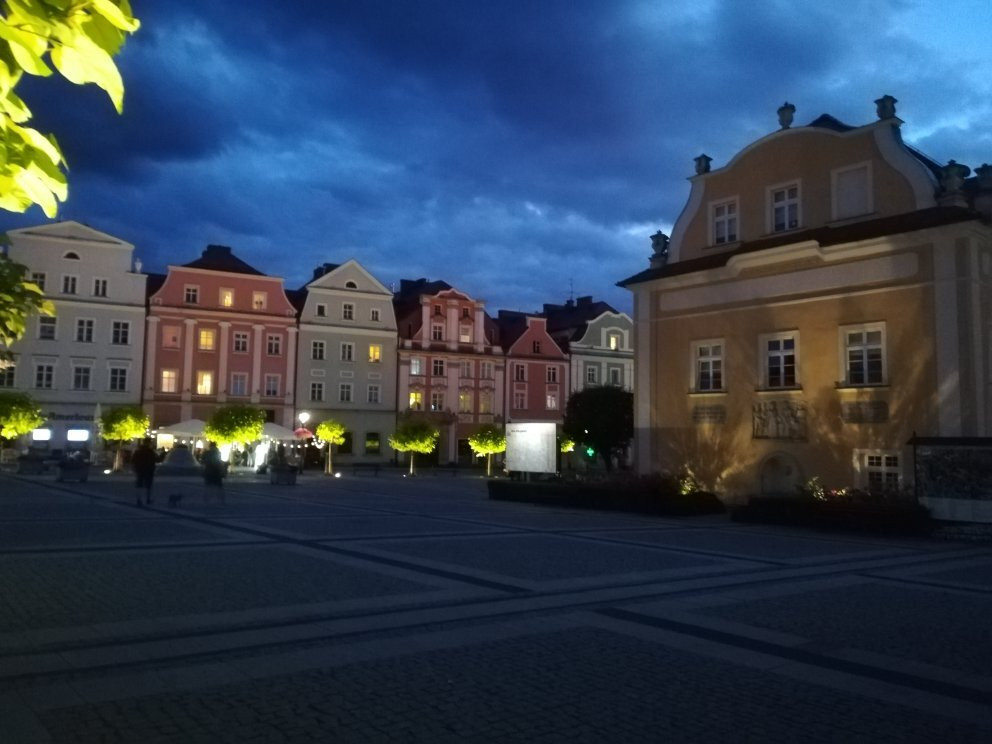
530, 448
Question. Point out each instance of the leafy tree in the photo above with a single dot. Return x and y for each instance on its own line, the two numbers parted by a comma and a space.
332, 432
121, 425
415, 435
488, 440
602, 418
235, 424
18, 299
18, 415
79, 38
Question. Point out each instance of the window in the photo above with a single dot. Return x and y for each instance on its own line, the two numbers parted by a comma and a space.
551, 373
784, 205
708, 366
416, 400
416, 366
345, 447
465, 334
437, 400
239, 384
81, 377
347, 351
851, 189
348, 311
69, 284
321, 310
375, 353
485, 402
437, 309
99, 287
169, 381
7, 377
84, 330
316, 391
350, 285
273, 344
206, 339
259, 300
46, 328
880, 470
317, 350
864, 354
466, 312
271, 386
519, 399
437, 331
466, 370
71, 255
372, 443
437, 368
374, 317
778, 354
118, 379
191, 294
38, 277
520, 372
486, 370
120, 332
226, 297
171, 336
374, 394
616, 376
592, 374
724, 222
44, 376
613, 341
465, 402
204, 382
551, 401
345, 392
240, 342
536, 347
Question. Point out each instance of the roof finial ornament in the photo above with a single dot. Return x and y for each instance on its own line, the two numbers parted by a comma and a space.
659, 244
702, 164
785, 114
885, 106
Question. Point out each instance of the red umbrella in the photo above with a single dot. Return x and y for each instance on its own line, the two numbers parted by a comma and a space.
303, 433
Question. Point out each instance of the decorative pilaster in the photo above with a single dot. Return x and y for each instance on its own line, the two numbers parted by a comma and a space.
256, 364
189, 343
222, 345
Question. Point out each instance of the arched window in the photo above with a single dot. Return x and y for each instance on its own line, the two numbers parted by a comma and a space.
71, 255
350, 285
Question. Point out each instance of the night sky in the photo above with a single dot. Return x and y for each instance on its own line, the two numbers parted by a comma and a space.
522, 151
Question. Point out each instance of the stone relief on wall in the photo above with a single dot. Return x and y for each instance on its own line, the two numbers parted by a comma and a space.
871, 412
778, 419
709, 414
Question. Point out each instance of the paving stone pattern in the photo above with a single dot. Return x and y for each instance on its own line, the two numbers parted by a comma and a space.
389, 609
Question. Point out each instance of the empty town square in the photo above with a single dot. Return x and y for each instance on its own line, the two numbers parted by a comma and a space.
381, 608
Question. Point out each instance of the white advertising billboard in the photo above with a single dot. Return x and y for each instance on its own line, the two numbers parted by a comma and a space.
531, 448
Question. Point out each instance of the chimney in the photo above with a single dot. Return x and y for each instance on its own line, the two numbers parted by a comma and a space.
216, 251
586, 300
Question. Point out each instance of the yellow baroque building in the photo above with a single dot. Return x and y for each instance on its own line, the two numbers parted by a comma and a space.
824, 296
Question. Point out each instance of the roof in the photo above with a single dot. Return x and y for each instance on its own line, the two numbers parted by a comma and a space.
574, 314
297, 298
824, 236
220, 258
511, 325
154, 283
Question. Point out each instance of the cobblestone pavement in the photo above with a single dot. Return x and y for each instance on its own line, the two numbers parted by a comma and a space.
370, 609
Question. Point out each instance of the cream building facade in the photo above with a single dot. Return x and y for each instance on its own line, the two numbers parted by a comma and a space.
824, 296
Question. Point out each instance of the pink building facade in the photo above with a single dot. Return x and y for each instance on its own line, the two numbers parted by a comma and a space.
537, 380
218, 332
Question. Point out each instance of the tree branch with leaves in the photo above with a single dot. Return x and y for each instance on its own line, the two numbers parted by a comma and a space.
488, 440
332, 432
414, 434
19, 415
122, 425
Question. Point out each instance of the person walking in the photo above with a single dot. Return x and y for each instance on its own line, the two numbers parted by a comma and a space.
213, 472
143, 462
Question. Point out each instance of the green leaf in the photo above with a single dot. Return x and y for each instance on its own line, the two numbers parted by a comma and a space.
119, 16
82, 61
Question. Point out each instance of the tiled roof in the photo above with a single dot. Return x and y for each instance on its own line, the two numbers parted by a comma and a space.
220, 258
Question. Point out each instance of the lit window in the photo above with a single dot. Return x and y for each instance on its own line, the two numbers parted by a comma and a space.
191, 294
69, 284
485, 402
437, 400
784, 204
416, 400
273, 344
708, 366
241, 342
864, 354
271, 387
780, 360
347, 351
416, 366
613, 341
316, 391
171, 336
724, 221
374, 394
44, 376
437, 368
465, 334
204, 383
226, 297
348, 311
551, 373
317, 350
81, 378
259, 300
551, 401
118, 379
372, 443
99, 287
206, 337
120, 332
46, 328
466, 370
345, 392
169, 381
880, 471
465, 402
239, 384
375, 353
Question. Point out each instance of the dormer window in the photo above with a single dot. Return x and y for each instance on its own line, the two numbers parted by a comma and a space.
350, 285
72, 256
784, 205
724, 222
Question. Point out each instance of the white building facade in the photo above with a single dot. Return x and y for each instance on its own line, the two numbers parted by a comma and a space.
87, 358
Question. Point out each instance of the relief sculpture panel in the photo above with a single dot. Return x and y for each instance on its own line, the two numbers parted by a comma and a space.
779, 419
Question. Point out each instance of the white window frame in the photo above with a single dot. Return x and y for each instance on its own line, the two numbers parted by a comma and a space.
266, 388
8, 378
519, 372
191, 290
725, 218
259, 300
203, 334
592, 374
347, 351
863, 468
316, 391
835, 175
375, 353
120, 328
616, 376
243, 377
111, 369
438, 367
765, 355
417, 366
273, 344
485, 402
168, 375
39, 278
438, 400
225, 293
70, 281
165, 335
99, 283
85, 330
551, 398
466, 370
696, 365
48, 377
519, 399
374, 394
466, 401
551, 373
770, 193
464, 333
437, 331
89, 376
487, 371
415, 401
845, 376
346, 392
347, 311
320, 310
318, 351
238, 337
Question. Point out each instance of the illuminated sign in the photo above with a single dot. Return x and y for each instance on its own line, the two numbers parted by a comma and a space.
530, 448
78, 435
41, 435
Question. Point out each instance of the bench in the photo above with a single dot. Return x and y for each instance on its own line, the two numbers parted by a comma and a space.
356, 467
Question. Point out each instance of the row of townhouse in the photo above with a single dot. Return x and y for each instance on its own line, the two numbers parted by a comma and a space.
216, 331
824, 297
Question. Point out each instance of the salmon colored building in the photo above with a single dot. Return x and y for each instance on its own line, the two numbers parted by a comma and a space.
218, 332
536, 369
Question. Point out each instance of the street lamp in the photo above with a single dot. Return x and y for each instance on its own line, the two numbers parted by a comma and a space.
303, 417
